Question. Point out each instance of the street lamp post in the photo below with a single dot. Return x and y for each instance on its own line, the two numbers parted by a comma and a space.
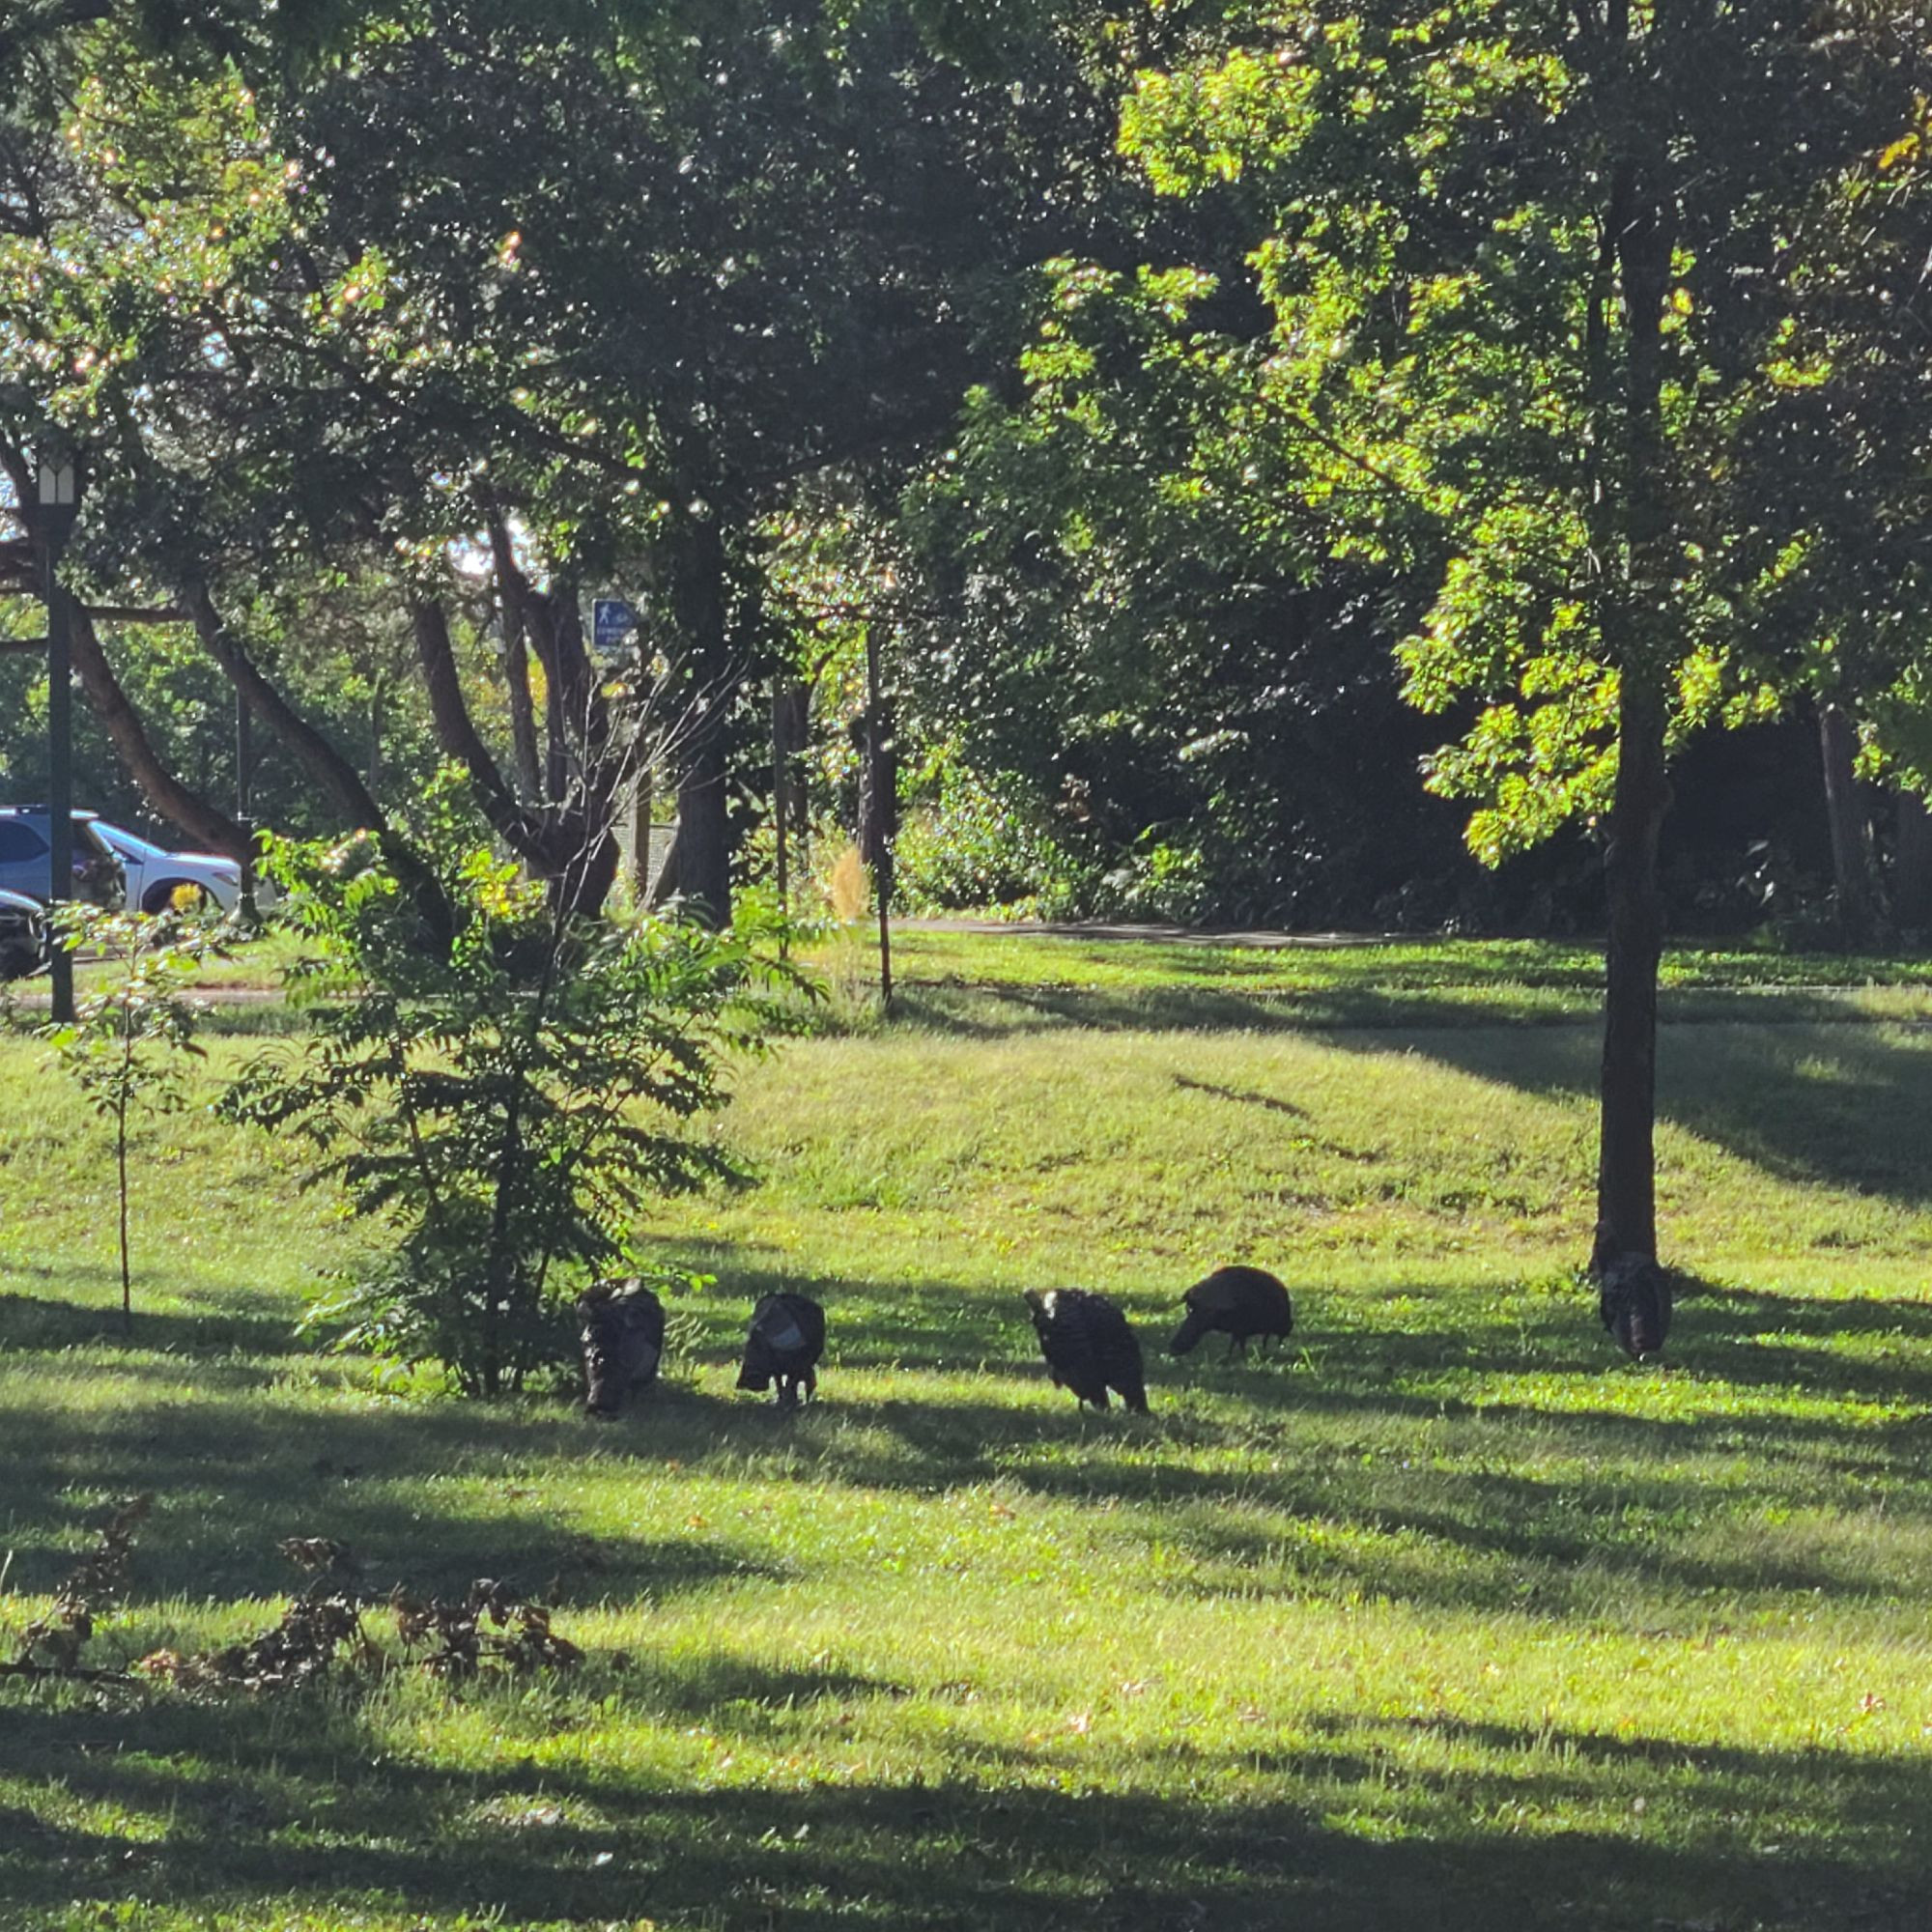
57, 503
244, 779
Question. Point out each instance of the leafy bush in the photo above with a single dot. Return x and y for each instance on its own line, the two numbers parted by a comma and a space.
979, 840
1159, 879
510, 1105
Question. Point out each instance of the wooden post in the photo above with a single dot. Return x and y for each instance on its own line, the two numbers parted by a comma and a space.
244, 779
60, 776
879, 808
780, 801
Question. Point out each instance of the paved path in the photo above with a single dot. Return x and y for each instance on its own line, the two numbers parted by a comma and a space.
209, 996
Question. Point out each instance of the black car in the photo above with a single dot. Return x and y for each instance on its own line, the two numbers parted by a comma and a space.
23, 936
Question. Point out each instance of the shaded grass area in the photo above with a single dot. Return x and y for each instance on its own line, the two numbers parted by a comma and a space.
1449, 1614
982, 983
979, 983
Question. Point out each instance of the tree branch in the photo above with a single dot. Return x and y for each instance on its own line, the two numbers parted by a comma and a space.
325, 764
167, 794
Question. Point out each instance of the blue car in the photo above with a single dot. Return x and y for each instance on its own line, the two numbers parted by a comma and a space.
26, 858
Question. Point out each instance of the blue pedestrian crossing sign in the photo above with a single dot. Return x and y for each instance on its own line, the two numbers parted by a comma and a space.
612, 625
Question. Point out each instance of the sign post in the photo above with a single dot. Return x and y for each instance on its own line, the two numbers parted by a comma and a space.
50, 520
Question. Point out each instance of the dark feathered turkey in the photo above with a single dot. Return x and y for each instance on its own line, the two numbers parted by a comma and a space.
1087, 1345
1634, 1298
1242, 1304
782, 1345
621, 1324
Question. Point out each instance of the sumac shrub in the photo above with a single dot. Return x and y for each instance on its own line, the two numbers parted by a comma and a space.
509, 1105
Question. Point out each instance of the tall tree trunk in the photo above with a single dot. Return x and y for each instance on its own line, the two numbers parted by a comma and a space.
1844, 811
780, 811
1626, 1161
665, 885
704, 825
703, 818
1637, 239
1912, 868
556, 740
513, 602
524, 830
207, 825
791, 733
523, 715
879, 806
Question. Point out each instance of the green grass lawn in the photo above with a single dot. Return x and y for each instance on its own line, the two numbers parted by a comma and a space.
1452, 1615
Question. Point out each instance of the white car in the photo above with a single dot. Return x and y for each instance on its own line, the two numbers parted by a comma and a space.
156, 876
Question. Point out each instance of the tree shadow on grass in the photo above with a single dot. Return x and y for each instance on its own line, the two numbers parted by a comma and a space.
1270, 1102
1337, 1503
1818, 1095
1848, 1106
1721, 1332
1408, 1001
990, 1009
431, 1493
219, 1323
440, 1493
248, 1803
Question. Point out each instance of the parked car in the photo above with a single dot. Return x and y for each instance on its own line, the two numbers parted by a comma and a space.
156, 876
23, 936
26, 857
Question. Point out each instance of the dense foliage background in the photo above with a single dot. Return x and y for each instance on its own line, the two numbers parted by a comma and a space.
986, 335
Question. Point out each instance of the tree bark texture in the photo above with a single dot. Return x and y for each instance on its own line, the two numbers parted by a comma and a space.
377, 697
1638, 234
703, 826
1627, 1160
513, 606
1912, 865
703, 817
665, 886
879, 806
455, 732
1845, 815
791, 736
640, 838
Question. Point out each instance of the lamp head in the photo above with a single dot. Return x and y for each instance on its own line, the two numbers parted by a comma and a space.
55, 500
58, 483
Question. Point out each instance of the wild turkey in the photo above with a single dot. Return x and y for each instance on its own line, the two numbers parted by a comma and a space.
1240, 1303
1087, 1345
782, 1345
1634, 1298
622, 1326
